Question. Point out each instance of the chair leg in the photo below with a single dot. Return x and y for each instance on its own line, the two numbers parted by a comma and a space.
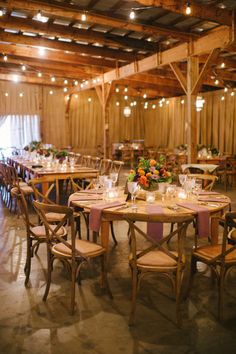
27, 267
221, 293
73, 279
49, 274
113, 233
134, 296
179, 276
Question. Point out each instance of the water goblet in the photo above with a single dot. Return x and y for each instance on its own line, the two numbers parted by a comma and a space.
182, 179
133, 188
114, 178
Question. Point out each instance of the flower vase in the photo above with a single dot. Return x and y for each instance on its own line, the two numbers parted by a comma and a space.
162, 187
150, 197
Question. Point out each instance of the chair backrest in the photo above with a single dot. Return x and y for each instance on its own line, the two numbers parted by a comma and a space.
53, 233
86, 160
23, 208
11, 176
208, 181
95, 162
182, 220
105, 167
49, 196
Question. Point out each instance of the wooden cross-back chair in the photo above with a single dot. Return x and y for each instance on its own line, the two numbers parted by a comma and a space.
51, 196
86, 160
35, 233
72, 252
208, 181
116, 167
105, 167
95, 162
157, 257
220, 257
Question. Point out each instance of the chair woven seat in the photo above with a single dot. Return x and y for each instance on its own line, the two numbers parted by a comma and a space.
39, 231
157, 259
86, 248
211, 252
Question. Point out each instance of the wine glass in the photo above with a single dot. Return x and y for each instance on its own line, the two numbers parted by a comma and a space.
133, 188
96, 185
182, 179
198, 187
114, 178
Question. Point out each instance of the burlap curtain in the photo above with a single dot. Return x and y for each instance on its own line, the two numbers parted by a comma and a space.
54, 125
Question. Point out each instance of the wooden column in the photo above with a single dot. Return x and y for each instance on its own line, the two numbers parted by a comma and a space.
103, 93
67, 113
192, 76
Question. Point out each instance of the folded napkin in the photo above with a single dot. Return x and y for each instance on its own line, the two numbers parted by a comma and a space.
215, 199
207, 193
203, 218
154, 229
91, 191
95, 216
76, 196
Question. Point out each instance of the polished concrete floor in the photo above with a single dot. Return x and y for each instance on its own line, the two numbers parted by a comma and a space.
100, 325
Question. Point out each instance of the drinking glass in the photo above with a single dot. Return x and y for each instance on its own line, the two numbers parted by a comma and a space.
133, 188
197, 187
182, 179
114, 178
96, 186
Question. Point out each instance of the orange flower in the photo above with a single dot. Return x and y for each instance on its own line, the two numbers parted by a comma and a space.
153, 162
143, 181
131, 171
148, 175
141, 172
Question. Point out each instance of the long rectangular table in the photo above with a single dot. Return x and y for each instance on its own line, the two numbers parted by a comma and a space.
51, 174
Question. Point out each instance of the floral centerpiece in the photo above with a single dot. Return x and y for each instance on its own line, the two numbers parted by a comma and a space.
149, 173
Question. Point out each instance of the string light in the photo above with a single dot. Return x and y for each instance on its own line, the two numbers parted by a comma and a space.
126, 97
188, 8
127, 112
232, 94
226, 89
1, 13
5, 58
65, 89
15, 78
41, 51
145, 95
117, 89
117, 103
89, 99
65, 82
222, 65
51, 92
167, 102
23, 67
6, 94
53, 79
21, 94
84, 17
216, 82
182, 101
153, 106
222, 98
132, 14
76, 96
126, 89
75, 82
39, 74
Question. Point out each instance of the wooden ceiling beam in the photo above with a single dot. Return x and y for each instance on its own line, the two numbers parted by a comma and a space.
168, 90
74, 14
27, 79
29, 52
66, 47
203, 11
41, 65
73, 33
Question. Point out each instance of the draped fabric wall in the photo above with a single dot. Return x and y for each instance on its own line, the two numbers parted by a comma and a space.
86, 122
36, 100
160, 127
54, 126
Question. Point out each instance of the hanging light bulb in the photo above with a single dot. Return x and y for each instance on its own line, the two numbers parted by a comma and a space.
232, 94
23, 68
75, 82
226, 89
89, 99
5, 57
1, 13
199, 103
127, 112
83, 17
40, 74
126, 89
132, 14
222, 65
65, 82
145, 95
51, 92
117, 103
188, 8
53, 79
65, 89
117, 89
216, 82
21, 94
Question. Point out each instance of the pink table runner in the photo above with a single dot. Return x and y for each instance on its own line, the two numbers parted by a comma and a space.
95, 216
203, 218
154, 229
215, 199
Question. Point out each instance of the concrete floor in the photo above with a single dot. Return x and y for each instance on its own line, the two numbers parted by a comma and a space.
100, 325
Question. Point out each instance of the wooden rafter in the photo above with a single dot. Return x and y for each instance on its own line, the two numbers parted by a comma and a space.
203, 11
179, 75
57, 9
66, 47
69, 58
73, 33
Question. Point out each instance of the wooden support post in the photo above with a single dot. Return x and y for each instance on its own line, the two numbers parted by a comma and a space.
103, 93
67, 114
192, 76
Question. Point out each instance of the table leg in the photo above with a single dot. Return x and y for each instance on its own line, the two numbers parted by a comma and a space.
104, 243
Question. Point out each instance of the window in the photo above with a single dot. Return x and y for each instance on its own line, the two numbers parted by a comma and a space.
18, 130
